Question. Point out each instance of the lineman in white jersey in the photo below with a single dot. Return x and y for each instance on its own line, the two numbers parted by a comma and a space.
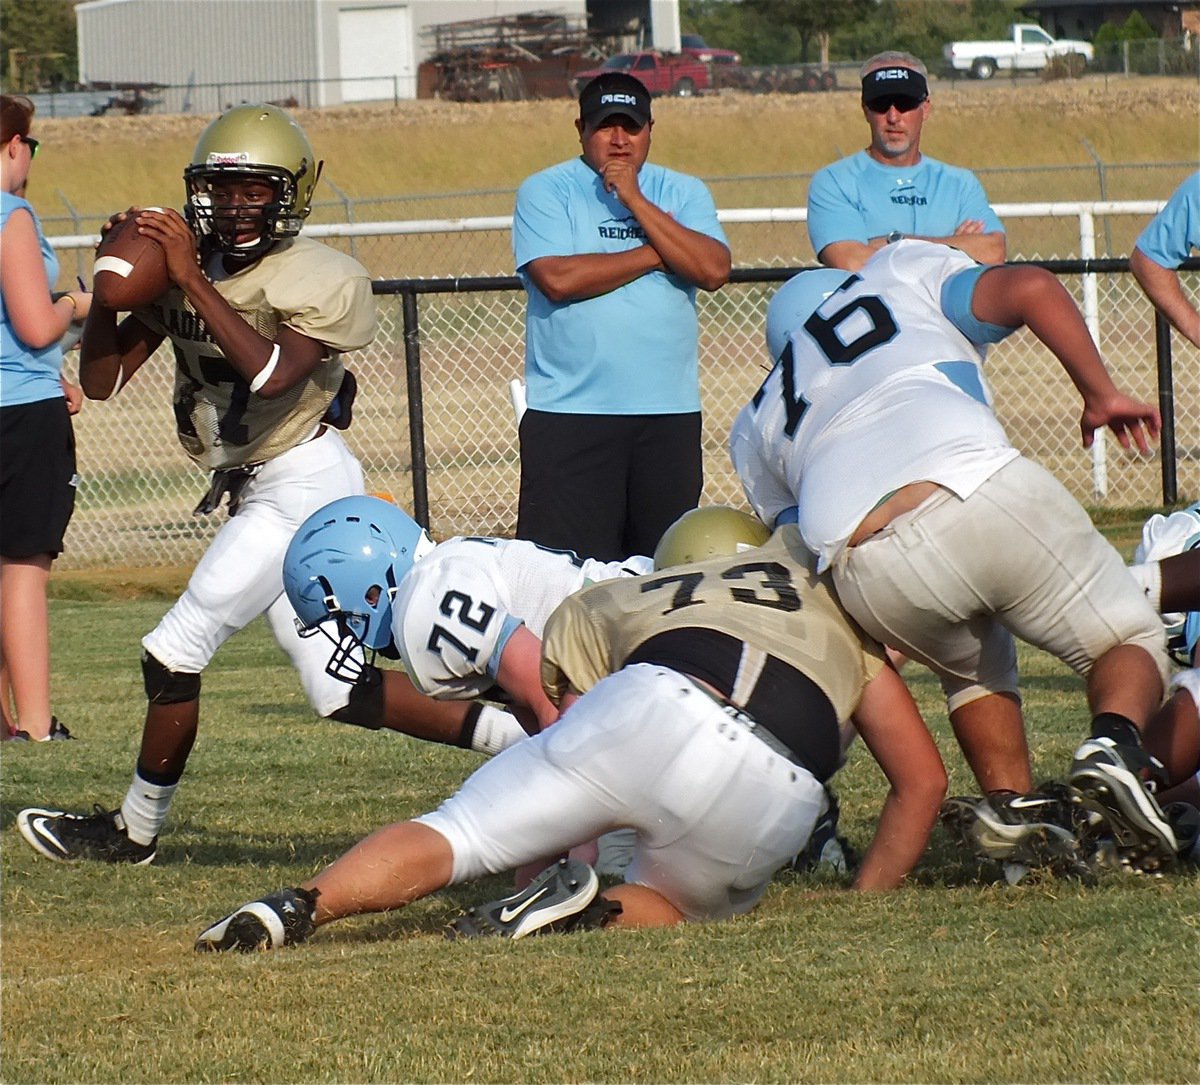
465, 616
1173, 734
876, 426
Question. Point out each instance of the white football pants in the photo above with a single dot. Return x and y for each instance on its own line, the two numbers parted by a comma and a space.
716, 811
240, 575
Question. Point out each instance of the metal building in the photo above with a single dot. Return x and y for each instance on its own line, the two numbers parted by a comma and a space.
204, 55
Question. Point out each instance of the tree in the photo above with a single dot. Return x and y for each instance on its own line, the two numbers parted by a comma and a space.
784, 31
40, 49
922, 28
1132, 45
809, 20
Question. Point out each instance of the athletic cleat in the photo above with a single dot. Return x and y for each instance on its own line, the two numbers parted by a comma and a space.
1184, 819
1038, 829
558, 895
58, 733
826, 850
282, 918
66, 837
1108, 777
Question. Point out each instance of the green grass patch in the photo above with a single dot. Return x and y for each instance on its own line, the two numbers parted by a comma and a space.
955, 979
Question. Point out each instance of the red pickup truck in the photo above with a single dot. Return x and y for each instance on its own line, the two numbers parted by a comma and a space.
661, 73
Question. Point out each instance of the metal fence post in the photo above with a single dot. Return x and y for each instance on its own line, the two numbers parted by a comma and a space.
81, 255
1103, 179
1166, 406
416, 407
1091, 314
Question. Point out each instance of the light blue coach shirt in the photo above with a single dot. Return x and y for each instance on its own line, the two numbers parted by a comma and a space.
634, 349
1175, 230
857, 198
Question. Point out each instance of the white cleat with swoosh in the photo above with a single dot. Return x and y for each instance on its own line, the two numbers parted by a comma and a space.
555, 897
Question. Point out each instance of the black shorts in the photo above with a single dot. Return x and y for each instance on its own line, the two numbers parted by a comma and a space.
37, 478
606, 486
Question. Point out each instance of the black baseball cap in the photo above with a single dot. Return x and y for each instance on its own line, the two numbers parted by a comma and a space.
894, 82
613, 93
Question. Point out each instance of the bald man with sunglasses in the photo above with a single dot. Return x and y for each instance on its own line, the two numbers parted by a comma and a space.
891, 190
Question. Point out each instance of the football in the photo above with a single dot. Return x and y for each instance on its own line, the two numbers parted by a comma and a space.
130, 268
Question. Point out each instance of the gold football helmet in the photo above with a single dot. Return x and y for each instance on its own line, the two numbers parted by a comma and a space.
250, 143
709, 532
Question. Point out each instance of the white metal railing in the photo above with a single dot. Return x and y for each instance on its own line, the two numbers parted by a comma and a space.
1085, 212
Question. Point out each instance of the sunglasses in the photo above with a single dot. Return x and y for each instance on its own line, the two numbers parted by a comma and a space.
903, 103
31, 143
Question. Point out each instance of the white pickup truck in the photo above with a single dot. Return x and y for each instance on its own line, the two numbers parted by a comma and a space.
1028, 48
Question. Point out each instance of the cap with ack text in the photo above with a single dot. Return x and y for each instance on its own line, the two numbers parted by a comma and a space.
894, 81
613, 93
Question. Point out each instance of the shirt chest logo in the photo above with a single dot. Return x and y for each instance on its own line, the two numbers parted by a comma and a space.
621, 229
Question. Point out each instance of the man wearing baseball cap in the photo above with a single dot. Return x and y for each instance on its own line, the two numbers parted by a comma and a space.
611, 250
891, 190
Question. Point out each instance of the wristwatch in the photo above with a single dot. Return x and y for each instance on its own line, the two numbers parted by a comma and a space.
895, 235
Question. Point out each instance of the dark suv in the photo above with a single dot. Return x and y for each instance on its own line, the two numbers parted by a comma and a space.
693, 45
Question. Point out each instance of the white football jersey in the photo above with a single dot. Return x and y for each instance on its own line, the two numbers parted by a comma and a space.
878, 389
457, 606
1164, 537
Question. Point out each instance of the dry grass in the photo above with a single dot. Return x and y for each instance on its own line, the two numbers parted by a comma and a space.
102, 164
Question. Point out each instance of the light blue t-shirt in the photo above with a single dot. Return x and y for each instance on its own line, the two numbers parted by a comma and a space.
630, 351
858, 198
1175, 230
27, 375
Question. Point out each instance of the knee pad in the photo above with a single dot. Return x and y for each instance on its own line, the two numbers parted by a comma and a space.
365, 707
167, 687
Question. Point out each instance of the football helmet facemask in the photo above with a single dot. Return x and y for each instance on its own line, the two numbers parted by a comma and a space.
709, 532
795, 301
341, 572
250, 143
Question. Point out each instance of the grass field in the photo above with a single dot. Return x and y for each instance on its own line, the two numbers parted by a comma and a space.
955, 979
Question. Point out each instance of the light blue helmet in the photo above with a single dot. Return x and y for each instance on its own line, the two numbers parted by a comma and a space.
794, 303
343, 566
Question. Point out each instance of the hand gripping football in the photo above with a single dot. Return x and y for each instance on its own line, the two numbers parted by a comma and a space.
130, 269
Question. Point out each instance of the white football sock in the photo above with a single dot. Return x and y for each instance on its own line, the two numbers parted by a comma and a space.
145, 808
1188, 680
496, 730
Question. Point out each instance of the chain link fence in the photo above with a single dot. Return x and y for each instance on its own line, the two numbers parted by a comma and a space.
137, 488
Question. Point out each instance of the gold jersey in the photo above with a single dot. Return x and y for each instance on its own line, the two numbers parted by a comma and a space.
770, 598
314, 290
